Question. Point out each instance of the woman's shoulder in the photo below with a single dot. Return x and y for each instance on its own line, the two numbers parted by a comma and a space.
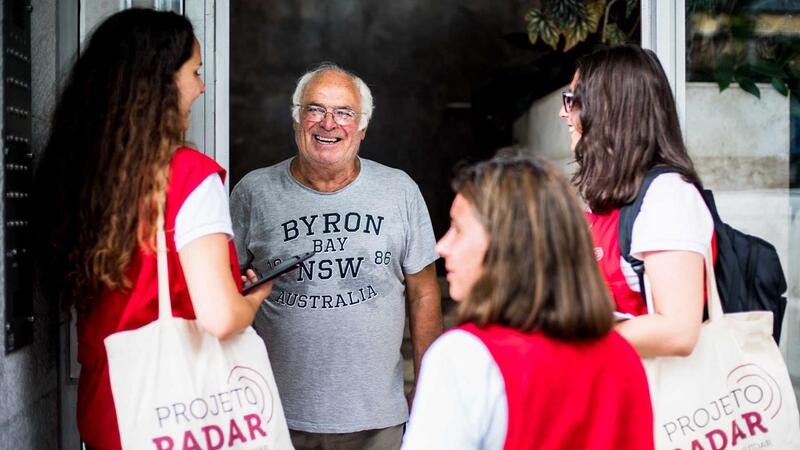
189, 169
458, 339
188, 155
670, 195
671, 180
671, 188
460, 348
188, 162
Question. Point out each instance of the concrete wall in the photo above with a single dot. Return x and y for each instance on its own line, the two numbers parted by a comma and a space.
29, 405
741, 146
544, 133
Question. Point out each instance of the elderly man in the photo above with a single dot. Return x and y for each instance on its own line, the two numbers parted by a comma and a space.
333, 327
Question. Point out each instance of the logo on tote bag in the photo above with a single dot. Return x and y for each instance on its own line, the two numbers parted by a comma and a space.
739, 417
230, 417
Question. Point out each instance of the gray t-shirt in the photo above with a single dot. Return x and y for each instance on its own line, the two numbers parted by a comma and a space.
333, 328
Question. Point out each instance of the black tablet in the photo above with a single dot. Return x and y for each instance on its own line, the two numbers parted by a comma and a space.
278, 270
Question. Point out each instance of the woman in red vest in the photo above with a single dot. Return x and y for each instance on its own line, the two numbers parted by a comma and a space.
622, 121
535, 363
113, 160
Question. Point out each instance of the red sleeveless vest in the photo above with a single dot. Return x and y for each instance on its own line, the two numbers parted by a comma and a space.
607, 253
570, 395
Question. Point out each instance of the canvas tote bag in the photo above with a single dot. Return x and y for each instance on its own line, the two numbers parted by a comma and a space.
176, 386
732, 392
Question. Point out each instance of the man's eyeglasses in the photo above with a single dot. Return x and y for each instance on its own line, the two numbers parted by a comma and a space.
317, 113
567, 98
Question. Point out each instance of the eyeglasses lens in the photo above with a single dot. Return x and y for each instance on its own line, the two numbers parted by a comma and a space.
340, 116
567, 99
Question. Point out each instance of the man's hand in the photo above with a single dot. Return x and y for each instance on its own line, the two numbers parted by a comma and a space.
410, 395
257, 294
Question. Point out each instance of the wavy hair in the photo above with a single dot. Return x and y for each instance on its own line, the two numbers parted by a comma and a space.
629, 124
104, 169
539, 272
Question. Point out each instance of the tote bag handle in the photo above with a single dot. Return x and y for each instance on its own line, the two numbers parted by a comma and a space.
164, 301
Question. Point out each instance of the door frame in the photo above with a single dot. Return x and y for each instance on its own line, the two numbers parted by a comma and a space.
664, 32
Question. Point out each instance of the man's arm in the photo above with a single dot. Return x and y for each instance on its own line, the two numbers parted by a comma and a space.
240, 220
424, 312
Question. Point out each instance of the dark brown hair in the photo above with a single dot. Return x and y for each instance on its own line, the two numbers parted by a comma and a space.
628, 124
102, 175
539, 272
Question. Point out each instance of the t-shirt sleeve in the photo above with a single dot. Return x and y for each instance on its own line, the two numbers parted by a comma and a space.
673, 217
460, 399
420, 241
240, 217
205, 211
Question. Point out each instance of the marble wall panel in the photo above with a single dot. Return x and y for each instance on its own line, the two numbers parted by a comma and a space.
543, 133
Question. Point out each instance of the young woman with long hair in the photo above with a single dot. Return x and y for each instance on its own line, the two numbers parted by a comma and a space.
623, 122
113, 162
535, 363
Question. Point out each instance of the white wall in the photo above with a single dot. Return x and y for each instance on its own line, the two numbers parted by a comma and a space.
543, 132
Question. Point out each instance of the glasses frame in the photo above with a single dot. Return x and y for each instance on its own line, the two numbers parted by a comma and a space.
567, 99
351, 119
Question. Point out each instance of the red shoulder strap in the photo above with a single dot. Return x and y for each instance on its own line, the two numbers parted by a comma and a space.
188, 168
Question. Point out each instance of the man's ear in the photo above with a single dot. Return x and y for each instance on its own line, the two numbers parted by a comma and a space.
364, 132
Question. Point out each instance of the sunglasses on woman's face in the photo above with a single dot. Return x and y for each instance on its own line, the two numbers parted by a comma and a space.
567, 98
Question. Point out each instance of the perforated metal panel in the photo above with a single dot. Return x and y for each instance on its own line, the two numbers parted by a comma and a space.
17, 173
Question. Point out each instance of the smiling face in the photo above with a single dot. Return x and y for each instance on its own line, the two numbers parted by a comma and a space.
463, 248
572, 117
326, 144
190, 84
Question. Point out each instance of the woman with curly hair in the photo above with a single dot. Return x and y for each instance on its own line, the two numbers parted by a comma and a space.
535, 363
622, 121
115, 161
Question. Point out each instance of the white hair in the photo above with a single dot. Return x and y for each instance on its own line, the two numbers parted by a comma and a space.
366, 96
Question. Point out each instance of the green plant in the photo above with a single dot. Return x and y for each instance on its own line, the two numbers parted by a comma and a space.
575, 20
727, 46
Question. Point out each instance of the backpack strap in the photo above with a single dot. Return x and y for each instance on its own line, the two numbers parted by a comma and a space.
627, 216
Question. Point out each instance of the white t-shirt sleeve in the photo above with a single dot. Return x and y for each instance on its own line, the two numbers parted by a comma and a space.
205, 211
673, 217
460, 399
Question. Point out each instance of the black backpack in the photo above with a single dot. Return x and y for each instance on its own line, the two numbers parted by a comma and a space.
748, 272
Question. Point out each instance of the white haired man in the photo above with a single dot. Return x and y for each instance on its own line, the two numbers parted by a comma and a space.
333, 328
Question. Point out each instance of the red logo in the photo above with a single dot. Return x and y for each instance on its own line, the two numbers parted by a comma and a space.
758, 387
256, 387
233, 416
